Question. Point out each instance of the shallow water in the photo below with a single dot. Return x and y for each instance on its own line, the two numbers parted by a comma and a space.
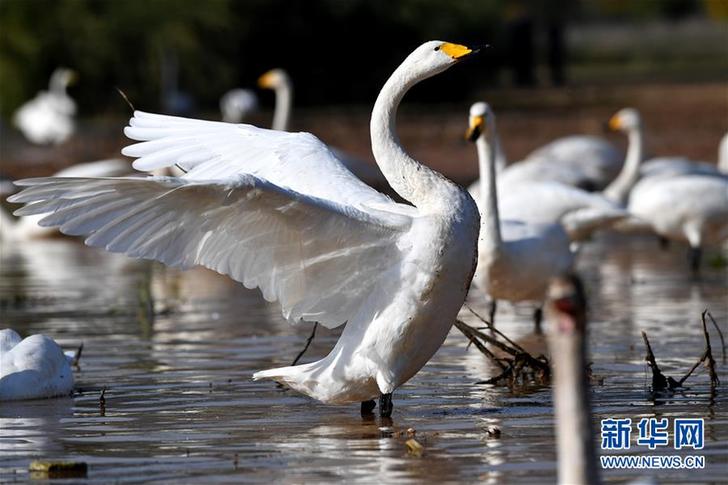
180, 405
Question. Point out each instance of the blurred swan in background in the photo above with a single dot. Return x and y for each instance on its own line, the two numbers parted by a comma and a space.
677, 198
567, 341
670, 166
48, 118
32, 368
516, 260
629, 121
280, 82
691, 208
303, 229
237, 104
27, 227
548, 201
583, 161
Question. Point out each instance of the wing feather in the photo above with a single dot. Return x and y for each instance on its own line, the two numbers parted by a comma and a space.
319, 258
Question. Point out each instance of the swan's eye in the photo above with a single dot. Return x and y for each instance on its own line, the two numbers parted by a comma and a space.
437, 48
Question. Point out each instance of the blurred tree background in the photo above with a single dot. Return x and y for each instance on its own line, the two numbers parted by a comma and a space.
186, 53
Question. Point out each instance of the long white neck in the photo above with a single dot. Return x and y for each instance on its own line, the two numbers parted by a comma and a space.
501, 161
489, 221
284, 100
618, 190
57, 84
723, 155
575, 437
410, 179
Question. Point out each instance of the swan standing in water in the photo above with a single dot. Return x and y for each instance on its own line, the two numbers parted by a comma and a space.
32, 368
516, 260
280, 82
677, 199
567, 342
278, 211
48, 118
691, 208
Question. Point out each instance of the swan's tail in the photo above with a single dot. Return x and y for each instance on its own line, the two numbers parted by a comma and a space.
298, 377
315, 380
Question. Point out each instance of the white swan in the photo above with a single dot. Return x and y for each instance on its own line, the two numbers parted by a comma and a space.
27, 227
567, 342
32, 368
671, 166
48, 118
237, 104
280, 82
691, 208
584, 161
629, 121
515, 260
546, 202
278, 211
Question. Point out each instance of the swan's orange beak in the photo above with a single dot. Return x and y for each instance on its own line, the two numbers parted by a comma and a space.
615, 123
457, 51
477, 125
267, 80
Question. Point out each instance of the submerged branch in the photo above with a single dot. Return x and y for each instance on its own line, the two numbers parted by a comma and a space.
521, 366
720, 333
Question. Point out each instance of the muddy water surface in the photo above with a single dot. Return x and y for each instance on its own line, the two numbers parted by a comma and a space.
180, 405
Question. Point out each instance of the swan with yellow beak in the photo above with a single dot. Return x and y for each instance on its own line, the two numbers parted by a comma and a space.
278, 211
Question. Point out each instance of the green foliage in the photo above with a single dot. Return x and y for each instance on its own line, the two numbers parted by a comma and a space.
336, 50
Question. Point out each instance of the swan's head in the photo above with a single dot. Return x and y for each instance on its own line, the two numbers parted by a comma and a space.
63, 77
480, 121
435, 56
626, 119
566, 305
274, 79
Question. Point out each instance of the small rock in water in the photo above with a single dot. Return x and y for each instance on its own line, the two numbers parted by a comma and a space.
493, 431
57, 469
414, 447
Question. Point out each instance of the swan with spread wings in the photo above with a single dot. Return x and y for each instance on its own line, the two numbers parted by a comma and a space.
278, 211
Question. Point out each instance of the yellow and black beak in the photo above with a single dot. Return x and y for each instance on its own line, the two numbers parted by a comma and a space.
615, 123
267, 80
457, 51
477, 125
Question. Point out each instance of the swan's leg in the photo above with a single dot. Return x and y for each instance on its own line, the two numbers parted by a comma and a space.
537, 318
385, 405
491, 314
367, 407
695, 256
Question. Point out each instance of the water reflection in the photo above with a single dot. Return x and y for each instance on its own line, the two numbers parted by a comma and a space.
180, 403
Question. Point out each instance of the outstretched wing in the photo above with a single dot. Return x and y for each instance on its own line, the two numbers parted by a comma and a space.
320, 258
211, 150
